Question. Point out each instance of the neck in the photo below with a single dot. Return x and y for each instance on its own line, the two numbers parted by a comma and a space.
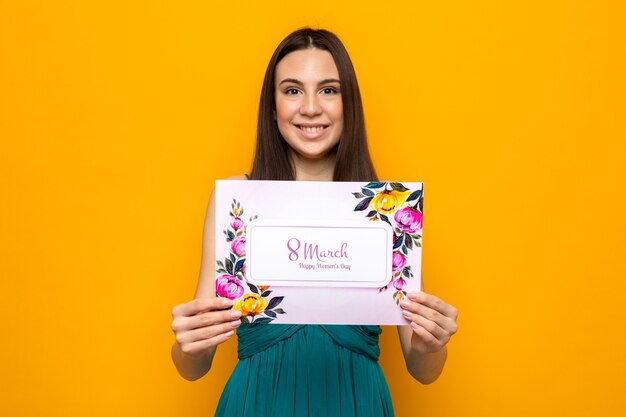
321, 169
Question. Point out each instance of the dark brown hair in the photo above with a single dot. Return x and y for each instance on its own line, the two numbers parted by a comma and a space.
271, 159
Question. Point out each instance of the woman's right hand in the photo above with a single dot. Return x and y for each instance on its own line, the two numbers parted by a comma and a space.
202, 324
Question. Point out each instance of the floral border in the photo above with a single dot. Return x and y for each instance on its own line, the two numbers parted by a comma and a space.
254, 306
386, 198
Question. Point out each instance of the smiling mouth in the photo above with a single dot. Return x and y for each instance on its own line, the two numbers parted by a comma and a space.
312, 129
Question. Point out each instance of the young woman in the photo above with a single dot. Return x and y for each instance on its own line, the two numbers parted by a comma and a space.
310, 127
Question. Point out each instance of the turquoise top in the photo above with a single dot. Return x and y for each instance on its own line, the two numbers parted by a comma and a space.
306, 370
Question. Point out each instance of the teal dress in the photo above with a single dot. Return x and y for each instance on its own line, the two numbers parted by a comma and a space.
306, 370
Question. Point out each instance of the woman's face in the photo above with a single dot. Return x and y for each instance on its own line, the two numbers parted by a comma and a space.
309, 110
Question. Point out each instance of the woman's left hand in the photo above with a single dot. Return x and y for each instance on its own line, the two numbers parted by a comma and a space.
433, 321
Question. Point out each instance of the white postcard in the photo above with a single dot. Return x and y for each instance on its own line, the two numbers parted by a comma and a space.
318, 252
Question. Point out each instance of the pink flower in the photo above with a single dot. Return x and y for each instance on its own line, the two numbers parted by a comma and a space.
398, 261
236, 223
409, 220
399, 284
228, 286
239, 246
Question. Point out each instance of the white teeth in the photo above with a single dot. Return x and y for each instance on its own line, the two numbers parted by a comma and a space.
311, 129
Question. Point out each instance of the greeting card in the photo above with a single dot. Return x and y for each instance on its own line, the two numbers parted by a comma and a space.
318, 252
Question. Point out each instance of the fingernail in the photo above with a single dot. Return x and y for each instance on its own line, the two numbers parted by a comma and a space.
226, 302
235, 314
229, 334
404, 303
413, 296
235, 323
406, 314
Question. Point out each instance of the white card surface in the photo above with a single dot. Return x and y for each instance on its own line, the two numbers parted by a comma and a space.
318, 252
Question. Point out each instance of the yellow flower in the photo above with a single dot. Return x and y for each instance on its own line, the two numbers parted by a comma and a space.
398, 296
387, 202
236, 211
251, 304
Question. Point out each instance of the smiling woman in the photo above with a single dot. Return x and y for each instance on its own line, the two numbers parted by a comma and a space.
310, 94
310, 127
309, 110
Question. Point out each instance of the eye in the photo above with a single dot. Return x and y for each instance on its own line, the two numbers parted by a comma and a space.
329, 90
291, 91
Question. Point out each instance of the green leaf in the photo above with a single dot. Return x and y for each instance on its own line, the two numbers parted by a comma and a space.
229, 267
253, 288
371, 213
363, 204
358, 195
261, 320
239, 264
385, 219
409, 241
274, 302
270, 313
414, 195
398, 242
367, 192
375, 185
279, 311
266, 293
398, 187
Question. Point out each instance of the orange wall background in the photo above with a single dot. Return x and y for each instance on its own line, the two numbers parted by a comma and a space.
116, 117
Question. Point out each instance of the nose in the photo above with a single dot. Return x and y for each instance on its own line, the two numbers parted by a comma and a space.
310, 105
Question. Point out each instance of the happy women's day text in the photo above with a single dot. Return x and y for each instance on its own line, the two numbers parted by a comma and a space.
313, 267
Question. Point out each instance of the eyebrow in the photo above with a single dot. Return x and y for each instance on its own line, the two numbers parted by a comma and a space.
298, 82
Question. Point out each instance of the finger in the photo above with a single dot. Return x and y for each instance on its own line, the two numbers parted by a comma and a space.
425, 335
430, 326
199, 305
205, 333
422, 310
433, 302
202, 345
212, 318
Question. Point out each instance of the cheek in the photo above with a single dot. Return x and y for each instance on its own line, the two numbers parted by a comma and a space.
284, 110
335, 111
283, 119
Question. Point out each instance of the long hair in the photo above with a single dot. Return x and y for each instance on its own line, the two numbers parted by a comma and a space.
271, 159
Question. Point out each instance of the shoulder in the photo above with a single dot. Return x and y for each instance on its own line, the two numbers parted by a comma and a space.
238, 177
